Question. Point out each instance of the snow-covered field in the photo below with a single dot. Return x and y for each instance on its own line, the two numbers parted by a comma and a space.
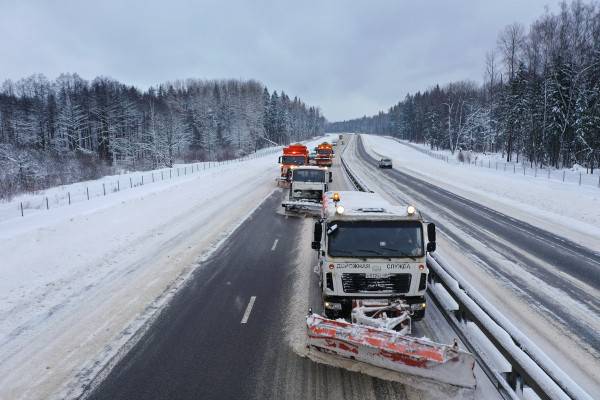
67, 195
568, 209
496, 161
79, 282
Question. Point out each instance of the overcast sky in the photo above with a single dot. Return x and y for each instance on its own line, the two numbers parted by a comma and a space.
349, 57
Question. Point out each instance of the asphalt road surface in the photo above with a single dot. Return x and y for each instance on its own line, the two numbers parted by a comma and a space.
225, 335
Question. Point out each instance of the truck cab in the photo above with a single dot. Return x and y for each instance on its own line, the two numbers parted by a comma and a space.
307, 186
324, 156
370, 249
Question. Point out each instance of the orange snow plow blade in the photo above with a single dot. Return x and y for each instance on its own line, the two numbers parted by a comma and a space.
390, 350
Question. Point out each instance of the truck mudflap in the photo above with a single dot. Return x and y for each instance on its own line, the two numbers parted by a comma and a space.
391, 350
306, 207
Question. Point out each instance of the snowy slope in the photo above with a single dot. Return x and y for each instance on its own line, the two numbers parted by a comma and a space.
77, 282
570, 210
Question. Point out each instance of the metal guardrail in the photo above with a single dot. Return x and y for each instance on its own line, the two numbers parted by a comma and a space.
356, 182
530, 370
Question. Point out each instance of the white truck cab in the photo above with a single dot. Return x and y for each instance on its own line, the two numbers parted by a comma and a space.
370, 249
308, 184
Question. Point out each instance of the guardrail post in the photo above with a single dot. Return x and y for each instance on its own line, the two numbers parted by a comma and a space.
47, 205
563, 175
87, 190
69, 196
22, 215
118, 186
130, 182
580, 179
103, 188
142, 179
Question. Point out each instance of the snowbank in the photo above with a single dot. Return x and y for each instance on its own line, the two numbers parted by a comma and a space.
78, 283
568, 209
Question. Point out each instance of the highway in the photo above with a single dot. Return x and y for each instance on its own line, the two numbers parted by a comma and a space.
233, 332
550, 278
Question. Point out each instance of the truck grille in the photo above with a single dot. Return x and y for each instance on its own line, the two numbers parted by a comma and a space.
361, 283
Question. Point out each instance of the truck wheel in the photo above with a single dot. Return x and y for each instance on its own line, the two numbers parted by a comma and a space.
331, 314
418, 315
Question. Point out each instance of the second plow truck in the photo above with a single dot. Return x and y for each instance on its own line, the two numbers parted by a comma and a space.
324, 157
307, 186
293, 156
373, 276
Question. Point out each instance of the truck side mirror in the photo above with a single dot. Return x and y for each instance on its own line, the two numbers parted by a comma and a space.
431, 232
330, 177
431, 246
318, 232
279, 160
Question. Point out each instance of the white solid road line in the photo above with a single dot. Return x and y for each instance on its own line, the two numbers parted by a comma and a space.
248, 310
274, 244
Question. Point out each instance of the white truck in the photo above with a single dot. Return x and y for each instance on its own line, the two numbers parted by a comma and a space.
307, 186
371, 250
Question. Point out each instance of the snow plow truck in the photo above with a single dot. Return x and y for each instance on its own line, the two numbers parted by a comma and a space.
373, 277
307, 186
293, 156
324, 156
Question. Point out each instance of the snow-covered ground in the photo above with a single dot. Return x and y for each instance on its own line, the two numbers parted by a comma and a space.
496, 161
79, 283
570, 210
67, 195
573, 212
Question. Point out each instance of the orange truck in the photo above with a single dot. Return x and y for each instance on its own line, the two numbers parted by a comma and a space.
324, 156
293, 155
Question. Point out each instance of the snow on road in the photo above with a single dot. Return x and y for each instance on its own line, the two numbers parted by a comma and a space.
78, 282
508, 285
570, 210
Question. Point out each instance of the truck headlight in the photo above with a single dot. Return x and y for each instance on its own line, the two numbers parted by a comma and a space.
418, 306
333, 306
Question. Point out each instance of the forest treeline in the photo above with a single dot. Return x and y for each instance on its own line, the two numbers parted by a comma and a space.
70, 129
540, 99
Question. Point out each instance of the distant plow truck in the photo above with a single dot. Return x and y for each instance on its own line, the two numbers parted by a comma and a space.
324, 157
294, 155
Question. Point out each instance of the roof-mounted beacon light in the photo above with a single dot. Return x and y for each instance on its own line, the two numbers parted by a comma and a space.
336, 197
411, 210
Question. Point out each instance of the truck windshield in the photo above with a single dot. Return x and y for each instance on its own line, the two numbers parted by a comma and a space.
295, 160
308, 175
385, 239
323, 151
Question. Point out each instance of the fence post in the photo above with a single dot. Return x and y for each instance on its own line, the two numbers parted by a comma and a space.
535, 172
118, 185
47, 205
177, 171
524, 168
490, 164
103, 189
514, 169
580, 179
69, 195
24, 215
87, 190
152, 177
170, 173
563, 175
161, 176
185, 170
598, 180
130, 182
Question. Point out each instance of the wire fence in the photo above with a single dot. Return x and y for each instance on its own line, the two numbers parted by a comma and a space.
551, 174
84, 191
